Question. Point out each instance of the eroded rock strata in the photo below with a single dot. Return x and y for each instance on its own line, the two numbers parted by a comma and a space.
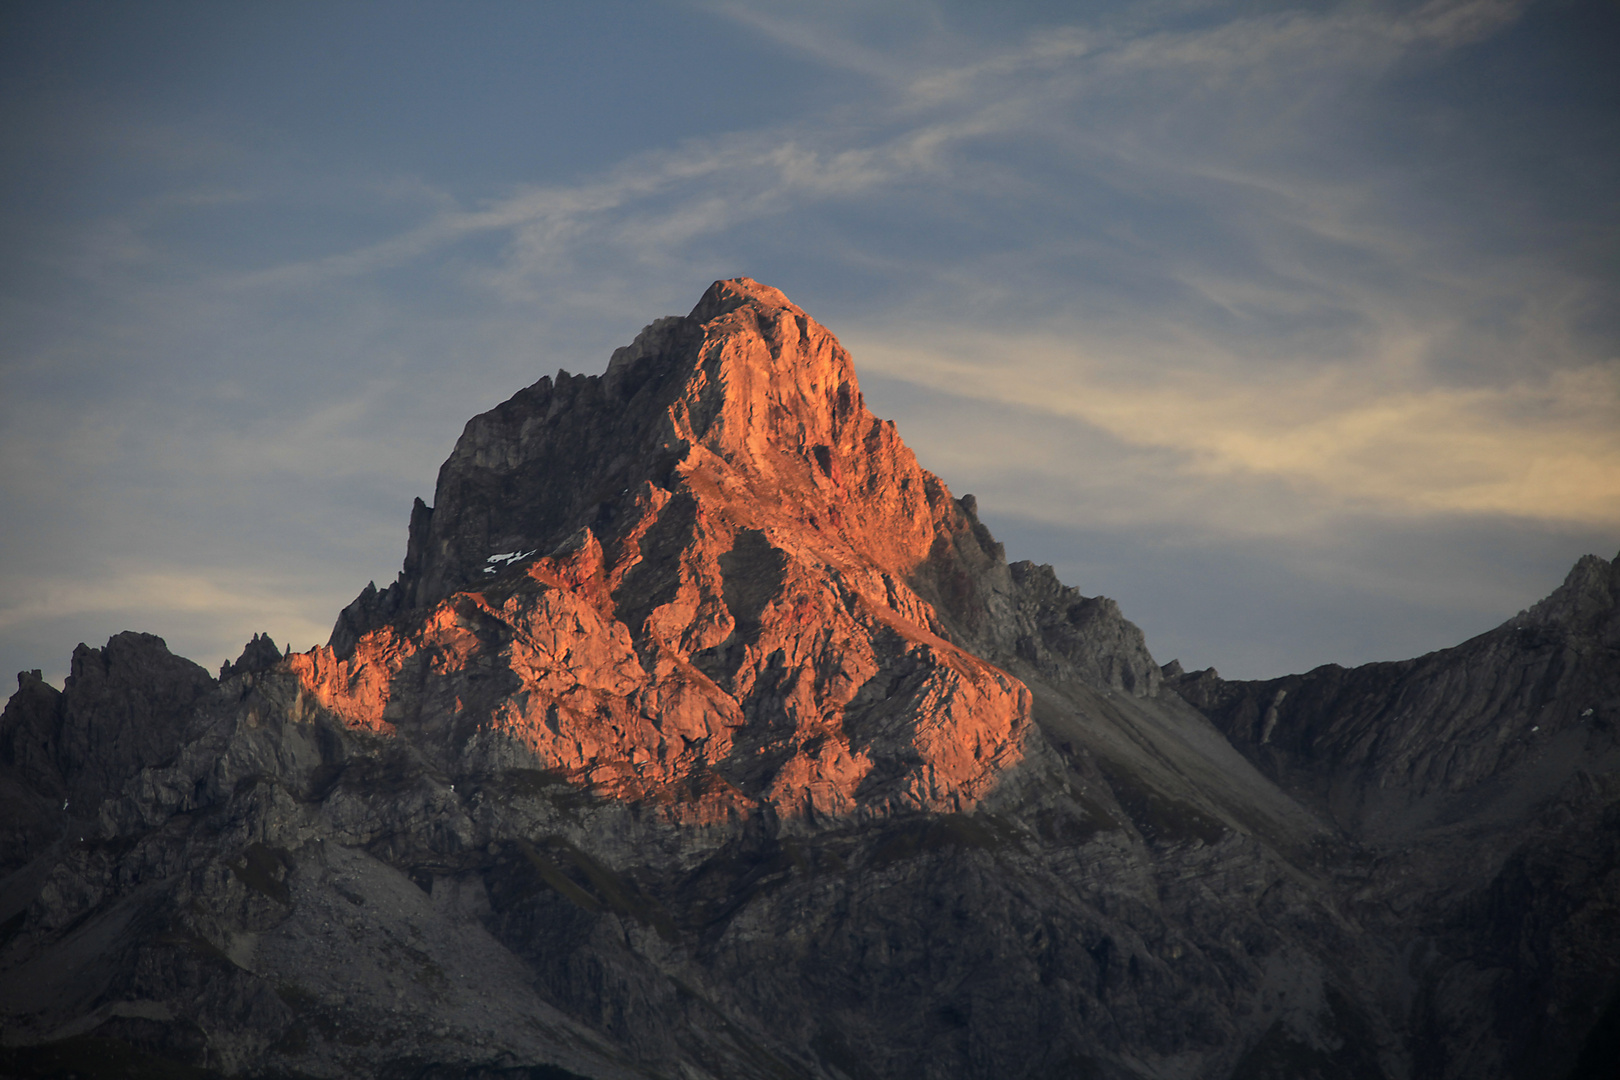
705, 734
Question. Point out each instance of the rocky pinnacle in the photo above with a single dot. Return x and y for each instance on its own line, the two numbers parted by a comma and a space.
706, 736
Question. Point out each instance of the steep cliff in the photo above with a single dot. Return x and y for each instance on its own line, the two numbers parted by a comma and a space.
705, 734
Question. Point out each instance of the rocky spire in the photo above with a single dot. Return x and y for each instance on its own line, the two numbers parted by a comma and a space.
744, 574
748, 404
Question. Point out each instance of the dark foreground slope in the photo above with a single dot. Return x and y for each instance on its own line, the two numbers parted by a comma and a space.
705, 734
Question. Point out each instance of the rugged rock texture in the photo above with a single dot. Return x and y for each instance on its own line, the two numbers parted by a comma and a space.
1480, 788
705, 734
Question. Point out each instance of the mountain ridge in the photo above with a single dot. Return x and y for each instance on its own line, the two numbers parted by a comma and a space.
706, 734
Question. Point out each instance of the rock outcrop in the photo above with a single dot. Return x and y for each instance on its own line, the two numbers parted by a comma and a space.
706, 734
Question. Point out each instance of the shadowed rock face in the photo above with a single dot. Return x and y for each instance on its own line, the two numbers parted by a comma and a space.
705, 734
1388, 749
126, 708
1481, 783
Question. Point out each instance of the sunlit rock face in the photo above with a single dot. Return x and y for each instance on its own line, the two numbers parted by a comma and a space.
710, 578
702, 580
705, 734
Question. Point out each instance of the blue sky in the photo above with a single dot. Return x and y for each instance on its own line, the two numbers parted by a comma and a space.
1292, 328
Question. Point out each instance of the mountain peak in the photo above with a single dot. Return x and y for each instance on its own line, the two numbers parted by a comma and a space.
747, 393
785, 607
1590, 594
779, 596
705, 732
729, 294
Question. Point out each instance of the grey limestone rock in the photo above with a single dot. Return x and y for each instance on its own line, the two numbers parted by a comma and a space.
1478, 787
706, 735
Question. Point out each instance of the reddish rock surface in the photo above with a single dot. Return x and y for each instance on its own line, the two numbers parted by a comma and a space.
748, 612
705, 735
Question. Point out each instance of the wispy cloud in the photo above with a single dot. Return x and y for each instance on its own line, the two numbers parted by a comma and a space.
1375, 432
139, 591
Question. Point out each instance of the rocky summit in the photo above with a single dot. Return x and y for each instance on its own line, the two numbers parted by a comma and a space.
705, 734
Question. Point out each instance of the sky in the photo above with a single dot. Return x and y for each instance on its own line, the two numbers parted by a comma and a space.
1293, 328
